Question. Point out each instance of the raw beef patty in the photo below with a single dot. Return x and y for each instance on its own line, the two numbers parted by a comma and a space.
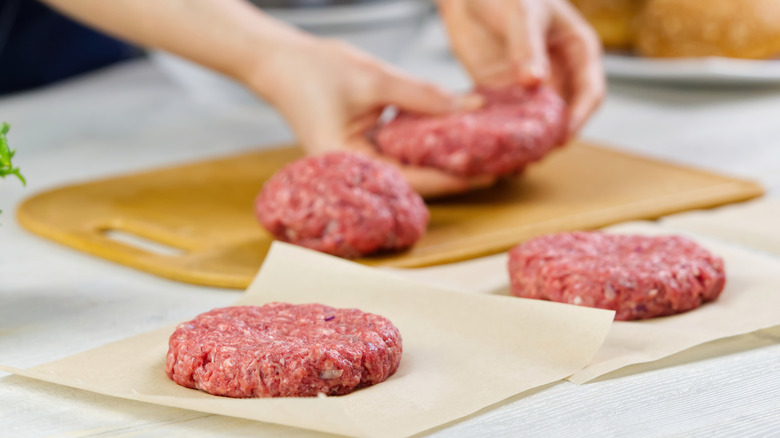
637, 276
283, 350
343, 204
516, 126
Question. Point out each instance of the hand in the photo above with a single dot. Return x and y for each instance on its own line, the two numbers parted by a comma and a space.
501, 42
331, 95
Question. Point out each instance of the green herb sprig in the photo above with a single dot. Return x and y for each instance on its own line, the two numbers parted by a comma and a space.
6, 154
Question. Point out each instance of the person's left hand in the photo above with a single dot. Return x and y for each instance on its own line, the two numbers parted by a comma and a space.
502, 42
331, 94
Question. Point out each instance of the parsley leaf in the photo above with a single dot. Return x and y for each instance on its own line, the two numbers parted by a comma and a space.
6, 154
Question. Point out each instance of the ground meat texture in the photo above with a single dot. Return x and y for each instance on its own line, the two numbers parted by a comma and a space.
515, 127
343, 204
637, 276
283, 350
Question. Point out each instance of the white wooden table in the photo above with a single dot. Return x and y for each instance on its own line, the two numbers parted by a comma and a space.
55, 301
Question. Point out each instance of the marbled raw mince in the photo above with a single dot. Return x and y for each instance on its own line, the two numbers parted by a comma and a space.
344, 204
283, 350
516, 126
637, 276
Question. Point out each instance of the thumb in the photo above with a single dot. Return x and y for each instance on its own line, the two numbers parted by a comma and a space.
527, 42
422, 97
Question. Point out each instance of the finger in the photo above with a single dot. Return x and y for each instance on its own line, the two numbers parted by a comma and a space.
411, 94
527, 42
428, 182
363, 123
559, 74
431, 183
587, 93
581, 52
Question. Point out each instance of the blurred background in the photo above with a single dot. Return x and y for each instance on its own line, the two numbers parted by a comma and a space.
694, 42
38, 46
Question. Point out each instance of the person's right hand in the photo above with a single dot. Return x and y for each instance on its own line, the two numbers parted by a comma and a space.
501, 42
331, 95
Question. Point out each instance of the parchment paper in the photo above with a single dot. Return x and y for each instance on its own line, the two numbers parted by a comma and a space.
750, 302
755, 224
462, 352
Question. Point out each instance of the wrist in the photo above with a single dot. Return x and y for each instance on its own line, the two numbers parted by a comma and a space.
265, 69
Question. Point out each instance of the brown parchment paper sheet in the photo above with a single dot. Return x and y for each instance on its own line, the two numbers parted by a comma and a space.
462, 352
750, 301
755, 224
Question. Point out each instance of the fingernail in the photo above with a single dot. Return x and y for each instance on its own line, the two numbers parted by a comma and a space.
533, 74
469, 102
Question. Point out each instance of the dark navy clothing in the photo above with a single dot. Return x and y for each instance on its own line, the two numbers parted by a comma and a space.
39, 46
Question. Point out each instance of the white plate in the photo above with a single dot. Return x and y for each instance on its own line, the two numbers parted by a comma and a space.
715, 71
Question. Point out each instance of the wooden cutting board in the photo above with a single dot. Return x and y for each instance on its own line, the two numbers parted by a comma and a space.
205, 210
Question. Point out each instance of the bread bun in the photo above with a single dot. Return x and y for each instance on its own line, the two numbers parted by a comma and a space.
697, 28
612, 19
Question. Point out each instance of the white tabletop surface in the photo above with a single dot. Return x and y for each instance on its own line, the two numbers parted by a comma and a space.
55, 301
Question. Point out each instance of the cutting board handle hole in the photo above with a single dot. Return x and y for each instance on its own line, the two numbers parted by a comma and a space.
142, 243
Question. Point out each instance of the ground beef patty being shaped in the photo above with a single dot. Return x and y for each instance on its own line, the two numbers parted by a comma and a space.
637, 276
343, 204
517, 126
283, 350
